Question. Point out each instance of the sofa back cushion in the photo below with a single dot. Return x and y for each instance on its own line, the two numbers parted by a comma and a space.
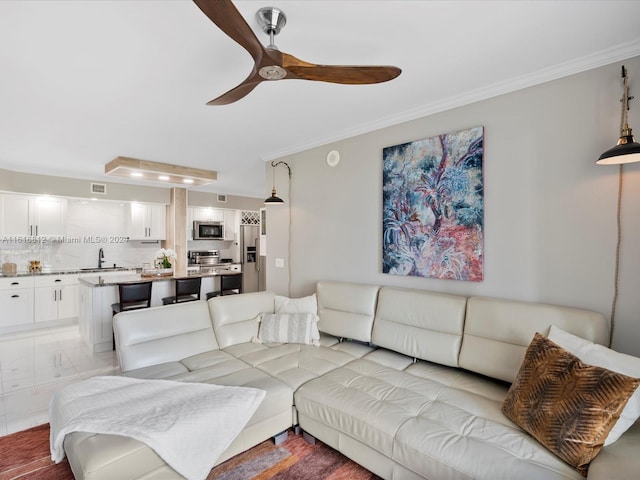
234, 317
346, 309
497, 332
163, 334
420, 324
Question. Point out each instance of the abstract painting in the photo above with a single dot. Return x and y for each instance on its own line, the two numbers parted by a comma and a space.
433, 207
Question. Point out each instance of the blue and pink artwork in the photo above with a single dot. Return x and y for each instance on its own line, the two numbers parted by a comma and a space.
433, 208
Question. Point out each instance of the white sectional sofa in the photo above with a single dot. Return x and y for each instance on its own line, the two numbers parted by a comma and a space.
407, 383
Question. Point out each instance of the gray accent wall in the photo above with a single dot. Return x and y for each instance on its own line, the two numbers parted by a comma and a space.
550, 211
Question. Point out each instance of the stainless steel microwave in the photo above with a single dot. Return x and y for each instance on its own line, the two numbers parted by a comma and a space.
208, 230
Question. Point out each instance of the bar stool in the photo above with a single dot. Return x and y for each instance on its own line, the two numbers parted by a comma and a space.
187, 290
132, 296
230, 284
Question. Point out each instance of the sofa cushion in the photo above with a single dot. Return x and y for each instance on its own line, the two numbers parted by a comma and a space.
157, 335
601, 356
567, 405
288, 328
307, 304
296, 364
162, 371
497, 332
233, 316
346, 310
420, 324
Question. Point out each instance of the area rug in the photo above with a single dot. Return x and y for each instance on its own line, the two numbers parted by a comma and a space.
25, 455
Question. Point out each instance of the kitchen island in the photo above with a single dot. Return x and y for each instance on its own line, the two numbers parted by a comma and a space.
98, 293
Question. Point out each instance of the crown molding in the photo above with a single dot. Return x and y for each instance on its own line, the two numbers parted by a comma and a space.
578, 65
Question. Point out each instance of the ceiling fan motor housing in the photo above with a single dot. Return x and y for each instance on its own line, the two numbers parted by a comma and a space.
271, 20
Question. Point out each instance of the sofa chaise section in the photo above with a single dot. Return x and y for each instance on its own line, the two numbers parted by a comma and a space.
407, 411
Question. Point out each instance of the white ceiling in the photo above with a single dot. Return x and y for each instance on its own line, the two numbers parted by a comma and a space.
84, 82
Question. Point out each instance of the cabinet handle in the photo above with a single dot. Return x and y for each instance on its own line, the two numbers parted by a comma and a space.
55, 295
58, 280
15, 283
36, 230
15, 296
60, 295
30, 230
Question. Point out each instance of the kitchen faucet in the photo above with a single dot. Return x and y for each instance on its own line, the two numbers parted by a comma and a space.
100, 258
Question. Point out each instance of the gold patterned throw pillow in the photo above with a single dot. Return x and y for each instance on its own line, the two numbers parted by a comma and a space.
565, 404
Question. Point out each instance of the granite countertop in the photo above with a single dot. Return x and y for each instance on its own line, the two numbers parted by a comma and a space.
112, 279
70, 271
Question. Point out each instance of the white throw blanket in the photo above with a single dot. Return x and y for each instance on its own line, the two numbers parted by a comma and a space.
189, 425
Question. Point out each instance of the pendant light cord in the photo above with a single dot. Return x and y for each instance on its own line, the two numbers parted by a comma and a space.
616, 274
289, 252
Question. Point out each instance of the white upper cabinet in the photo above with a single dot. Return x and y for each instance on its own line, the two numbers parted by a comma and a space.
33, 216
231, 222
208, 214
148, 221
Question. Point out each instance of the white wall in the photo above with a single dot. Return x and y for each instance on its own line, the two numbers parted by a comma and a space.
550, 228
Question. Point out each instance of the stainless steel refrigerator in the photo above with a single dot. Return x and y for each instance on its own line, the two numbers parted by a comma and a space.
253, 264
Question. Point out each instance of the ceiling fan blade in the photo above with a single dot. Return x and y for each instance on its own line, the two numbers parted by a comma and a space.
345, 74
226, 16
238, 92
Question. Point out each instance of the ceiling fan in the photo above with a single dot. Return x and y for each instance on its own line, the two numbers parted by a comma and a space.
271, 63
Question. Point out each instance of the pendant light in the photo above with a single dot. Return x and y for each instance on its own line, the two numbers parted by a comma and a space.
274, 199
627, 150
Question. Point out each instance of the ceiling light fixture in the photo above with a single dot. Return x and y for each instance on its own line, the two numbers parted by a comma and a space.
158, 172
274, 199
627, 150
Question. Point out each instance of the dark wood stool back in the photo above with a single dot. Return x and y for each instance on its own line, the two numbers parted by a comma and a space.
187, 290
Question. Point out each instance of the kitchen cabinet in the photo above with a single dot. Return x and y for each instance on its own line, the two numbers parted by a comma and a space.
25, 215
231, 222
147, 221
16, 301
207, 214
56, 297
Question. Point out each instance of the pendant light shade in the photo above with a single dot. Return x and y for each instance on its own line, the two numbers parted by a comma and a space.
274, 199
627, 150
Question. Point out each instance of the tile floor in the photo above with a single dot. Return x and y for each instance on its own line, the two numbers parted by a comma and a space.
33, 365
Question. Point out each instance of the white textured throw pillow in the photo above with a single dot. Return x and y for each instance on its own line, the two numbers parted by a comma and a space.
296, 305
289, 328
604, 357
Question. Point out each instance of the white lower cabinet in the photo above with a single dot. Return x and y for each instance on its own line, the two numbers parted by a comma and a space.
16, 301
56, 297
